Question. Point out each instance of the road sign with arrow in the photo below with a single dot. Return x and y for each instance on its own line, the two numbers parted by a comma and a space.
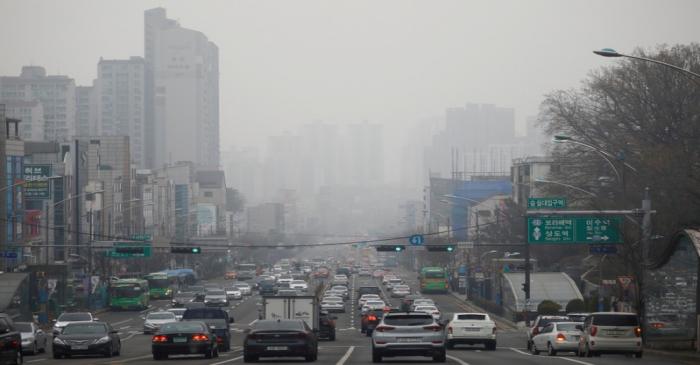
573, 230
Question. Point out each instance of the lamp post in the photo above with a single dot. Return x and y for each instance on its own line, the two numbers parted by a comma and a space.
609, 52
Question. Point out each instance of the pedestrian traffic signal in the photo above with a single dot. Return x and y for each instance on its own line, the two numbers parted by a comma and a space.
440, 248
390, 248
130, 249
188, 250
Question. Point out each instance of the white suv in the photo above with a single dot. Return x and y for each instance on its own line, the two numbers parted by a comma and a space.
471, 328
612, 333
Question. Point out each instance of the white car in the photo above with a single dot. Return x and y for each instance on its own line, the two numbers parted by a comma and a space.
177, 312
233, 293
557, 337
64, 319
400, 291
430, 309
154, 320
299, 285
33, 338
421, 301
366, 297
386, 278
339, 280
333, 304
245, 288
392, 283
611, 332
471, 328
284, 279
216, 298
373, 305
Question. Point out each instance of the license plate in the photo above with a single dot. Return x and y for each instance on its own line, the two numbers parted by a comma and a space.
79, 347
471, 329
575, 338
179, 339
408, 339
277, 348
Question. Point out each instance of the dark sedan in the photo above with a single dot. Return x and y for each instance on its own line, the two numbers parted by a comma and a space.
87, 338
280, 338
184, 338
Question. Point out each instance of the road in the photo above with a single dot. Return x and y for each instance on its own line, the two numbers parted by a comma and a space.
351, 347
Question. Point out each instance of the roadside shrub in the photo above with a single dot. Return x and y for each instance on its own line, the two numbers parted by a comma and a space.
575, 305
548, 307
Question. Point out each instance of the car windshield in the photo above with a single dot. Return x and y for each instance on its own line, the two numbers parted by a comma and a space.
426, 308
186, 295
267, 325
177, 311
23, 327
160, 316
401, 287
74, 317
216, 293
298, 282
176, 327
241, 285
615, 320
374, 303
566, 327
408, 320
545, 321
84, 328
471, 317
333, 299
204, 313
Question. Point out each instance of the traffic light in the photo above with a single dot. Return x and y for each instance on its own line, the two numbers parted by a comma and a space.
130, 249
440, 248
188, 250
390, 248
526, 287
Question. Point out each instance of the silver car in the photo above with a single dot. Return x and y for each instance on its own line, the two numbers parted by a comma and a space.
245, 288
33, 338
153, 321
409, 334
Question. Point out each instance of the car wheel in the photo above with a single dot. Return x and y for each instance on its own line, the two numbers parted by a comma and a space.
210, 353
216, 352
19, 359
589, 353
249, 358
550, 350
119, 349
376, 356
529, 345
533, 349
638, 354
159, 356
43, 348
491, 346
110, 352
309, 357
450, 345
34, 349
56, 356
332, 336
440, 356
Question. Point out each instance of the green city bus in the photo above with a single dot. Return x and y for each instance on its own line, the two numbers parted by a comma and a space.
159, 285
433, 280
128, 294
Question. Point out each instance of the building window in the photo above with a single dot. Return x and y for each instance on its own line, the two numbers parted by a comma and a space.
208, 194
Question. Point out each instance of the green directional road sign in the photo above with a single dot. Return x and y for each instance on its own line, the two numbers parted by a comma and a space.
127, 250
573, 230
141, 237
546, 203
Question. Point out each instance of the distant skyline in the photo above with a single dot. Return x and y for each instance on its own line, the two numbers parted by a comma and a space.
288, 63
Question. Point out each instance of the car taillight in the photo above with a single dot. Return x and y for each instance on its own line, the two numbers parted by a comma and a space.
200, 337
535, 331
386, 309
449, 329
638, 331
594, 330
561, 337
371, 318
494, 330
433, 328
160, 338
14, 344
384, 328
657, 325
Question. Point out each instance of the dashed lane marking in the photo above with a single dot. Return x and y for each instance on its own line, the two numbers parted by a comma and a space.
123, 328
36, 360
130, 359
551, 357
346, 356
457, 360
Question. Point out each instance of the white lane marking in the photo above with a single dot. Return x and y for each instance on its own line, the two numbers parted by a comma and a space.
131, 359
37, 360
227, 361
346, 356
550, 357
132, 334
457, 360
123, 328
121, 322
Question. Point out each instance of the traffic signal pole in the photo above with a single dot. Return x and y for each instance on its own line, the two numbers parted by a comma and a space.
526, 284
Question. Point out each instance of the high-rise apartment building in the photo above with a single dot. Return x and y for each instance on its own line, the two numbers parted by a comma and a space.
85, 111
182, 92
55, 92
120, 91
31, 113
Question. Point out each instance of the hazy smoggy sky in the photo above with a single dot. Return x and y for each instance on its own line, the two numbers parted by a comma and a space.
286, 62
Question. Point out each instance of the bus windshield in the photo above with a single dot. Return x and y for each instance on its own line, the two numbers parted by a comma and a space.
127, 291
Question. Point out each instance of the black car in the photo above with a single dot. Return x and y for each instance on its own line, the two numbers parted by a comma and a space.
218, 321
368, 290
266, 287
87, 338
280, 338
344, 271
326, 328
184, 338
10, 341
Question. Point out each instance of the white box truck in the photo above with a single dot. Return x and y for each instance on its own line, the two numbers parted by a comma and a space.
292, 307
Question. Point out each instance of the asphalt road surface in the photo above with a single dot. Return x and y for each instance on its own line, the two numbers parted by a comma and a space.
350, 347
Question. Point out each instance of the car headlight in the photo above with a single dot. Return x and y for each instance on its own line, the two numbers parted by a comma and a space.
104, 339
58, 341
168, 292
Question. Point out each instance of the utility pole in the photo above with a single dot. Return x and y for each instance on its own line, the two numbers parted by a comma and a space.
646, 242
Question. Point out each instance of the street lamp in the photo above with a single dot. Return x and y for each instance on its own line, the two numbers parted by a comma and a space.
481, 258
609, 52
566, 185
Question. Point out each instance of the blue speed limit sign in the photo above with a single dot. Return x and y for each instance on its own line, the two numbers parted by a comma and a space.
416, 240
